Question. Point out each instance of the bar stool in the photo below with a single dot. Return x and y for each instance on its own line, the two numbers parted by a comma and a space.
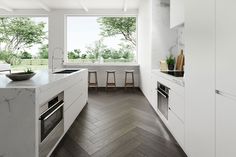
131, 72
111, 84
95, 83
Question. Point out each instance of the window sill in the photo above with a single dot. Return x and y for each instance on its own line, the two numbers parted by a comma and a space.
99, 64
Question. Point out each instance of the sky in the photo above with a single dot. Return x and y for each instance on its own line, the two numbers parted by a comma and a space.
83, 31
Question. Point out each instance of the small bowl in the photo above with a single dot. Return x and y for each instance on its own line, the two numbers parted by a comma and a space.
20, 76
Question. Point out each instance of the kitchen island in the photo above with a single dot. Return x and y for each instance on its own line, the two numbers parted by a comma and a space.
24, 130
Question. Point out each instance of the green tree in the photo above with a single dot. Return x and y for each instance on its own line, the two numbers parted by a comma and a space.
17, 33
10, 58
75, 54
25, 55
43, 52
95, 51
127, 51
125, 26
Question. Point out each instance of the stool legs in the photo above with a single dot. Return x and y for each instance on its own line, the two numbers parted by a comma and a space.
111, 84
95, 84
126, 80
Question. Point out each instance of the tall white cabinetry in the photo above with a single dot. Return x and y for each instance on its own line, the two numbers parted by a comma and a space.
225, 126
226, 46
225, 78
200, 78
176, 13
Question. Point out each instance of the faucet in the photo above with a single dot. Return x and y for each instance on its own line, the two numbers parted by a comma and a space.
57, 49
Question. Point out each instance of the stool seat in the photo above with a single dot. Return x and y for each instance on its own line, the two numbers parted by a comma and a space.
129, 71
111, 71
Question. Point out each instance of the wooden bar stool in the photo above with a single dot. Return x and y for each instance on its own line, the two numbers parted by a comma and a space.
129, 84
111, 84
95, 83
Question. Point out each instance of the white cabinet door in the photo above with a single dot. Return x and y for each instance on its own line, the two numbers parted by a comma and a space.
225, 127
176, 13
176, 127
226, 45
177, 104
153, 91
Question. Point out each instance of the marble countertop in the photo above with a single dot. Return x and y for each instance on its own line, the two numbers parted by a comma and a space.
178, 80
41, 78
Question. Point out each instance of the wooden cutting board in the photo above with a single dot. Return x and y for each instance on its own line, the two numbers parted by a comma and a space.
180, 61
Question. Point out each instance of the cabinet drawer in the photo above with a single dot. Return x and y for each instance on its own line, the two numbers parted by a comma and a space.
72, 93
176, 127
177, 104
73, 111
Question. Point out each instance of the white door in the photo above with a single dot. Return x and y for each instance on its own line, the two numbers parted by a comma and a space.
225, 126
226, 46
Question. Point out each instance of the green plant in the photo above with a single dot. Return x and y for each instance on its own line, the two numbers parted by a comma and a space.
25, 55
10, 58
116, 54
170, 60
83, 56
106, 54
29, 71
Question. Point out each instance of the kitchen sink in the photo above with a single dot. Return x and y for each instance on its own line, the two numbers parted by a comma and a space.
66, 71
174, 73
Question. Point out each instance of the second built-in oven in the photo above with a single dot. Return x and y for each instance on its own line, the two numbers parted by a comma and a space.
163, 99
51, 124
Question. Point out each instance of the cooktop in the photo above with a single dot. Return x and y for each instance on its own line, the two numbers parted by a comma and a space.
174, 73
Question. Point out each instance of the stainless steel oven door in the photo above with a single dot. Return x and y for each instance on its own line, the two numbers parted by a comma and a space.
162, 97
50, 119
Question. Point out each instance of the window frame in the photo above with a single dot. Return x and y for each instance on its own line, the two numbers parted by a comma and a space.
66, 62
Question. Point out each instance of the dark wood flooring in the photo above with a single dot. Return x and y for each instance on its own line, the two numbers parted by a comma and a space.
118, 124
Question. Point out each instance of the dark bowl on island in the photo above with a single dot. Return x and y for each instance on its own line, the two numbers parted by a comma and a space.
21, 76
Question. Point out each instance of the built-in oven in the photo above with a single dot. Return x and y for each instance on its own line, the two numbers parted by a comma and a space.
162, 98
51, 124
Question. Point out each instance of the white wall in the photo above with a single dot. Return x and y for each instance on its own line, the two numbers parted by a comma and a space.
144, 45
200, 77
163, 38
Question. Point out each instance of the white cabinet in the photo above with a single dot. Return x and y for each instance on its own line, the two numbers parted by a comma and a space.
225, 46
176, 116
225, 126
177, 104
76, 97
176, 13
72, 112
153, 91
176, 127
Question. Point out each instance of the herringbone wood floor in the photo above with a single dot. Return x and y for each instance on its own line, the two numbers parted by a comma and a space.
118, 124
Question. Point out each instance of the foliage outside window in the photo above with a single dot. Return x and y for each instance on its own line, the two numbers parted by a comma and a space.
101, 39
23, 42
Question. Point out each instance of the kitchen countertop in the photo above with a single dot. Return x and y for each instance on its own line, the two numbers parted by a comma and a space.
178, 80
41, 78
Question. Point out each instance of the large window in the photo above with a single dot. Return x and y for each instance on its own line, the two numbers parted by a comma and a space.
92, 39
24, 42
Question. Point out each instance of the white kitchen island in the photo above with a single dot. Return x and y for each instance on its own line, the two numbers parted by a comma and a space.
20, 105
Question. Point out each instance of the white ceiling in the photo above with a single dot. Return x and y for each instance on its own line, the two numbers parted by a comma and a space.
68, 4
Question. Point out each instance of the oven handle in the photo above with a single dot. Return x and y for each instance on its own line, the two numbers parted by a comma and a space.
52, 112
160, 92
